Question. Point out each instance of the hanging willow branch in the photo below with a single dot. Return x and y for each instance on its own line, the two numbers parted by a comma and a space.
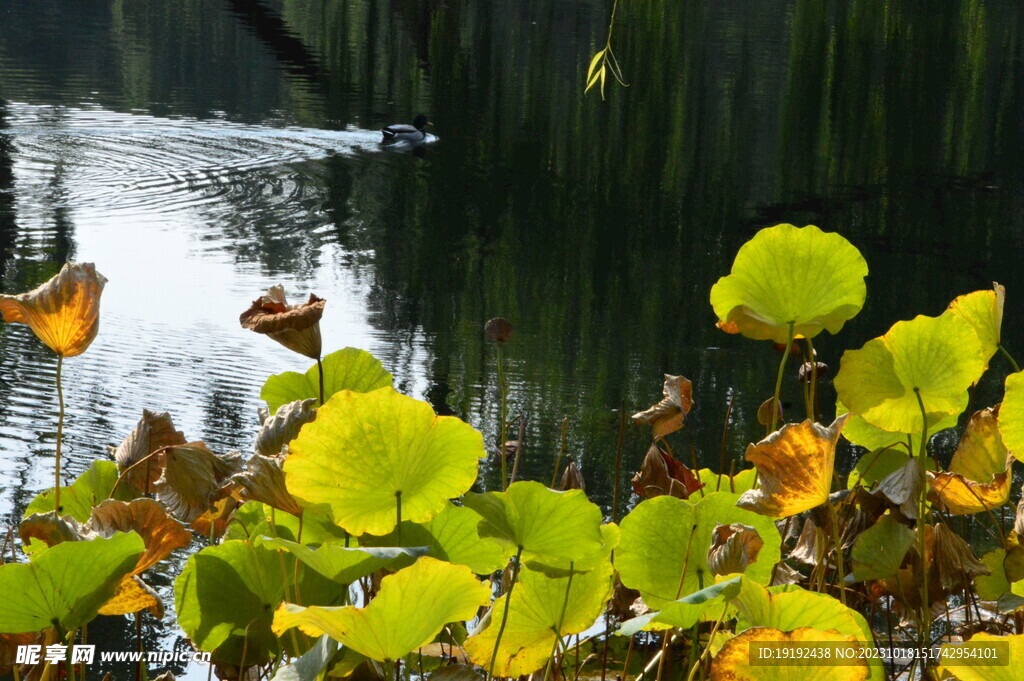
604, 61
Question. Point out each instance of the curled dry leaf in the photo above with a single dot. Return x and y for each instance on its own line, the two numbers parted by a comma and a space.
192, 479
284, 426
733, 548
902, 487
572, 478
498, 330
979, 473
49, 529
297, 327
64, 312
806, 549
264, 481
153, 431
159, 531
953, 558
795, 465
215, 521
661, 473
668, 415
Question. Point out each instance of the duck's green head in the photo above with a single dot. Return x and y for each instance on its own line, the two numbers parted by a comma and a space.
420, 122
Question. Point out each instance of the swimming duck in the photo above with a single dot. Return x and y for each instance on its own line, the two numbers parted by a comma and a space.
403, 132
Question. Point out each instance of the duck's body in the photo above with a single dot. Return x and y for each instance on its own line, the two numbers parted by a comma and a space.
403, 132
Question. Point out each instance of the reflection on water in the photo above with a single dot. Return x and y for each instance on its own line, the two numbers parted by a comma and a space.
199, 152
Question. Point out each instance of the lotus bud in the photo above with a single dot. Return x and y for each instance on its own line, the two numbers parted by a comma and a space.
807, 371
64, 312
297, 327
498, 330
572, 479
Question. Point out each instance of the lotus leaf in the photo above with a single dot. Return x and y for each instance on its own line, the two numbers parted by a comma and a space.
879, 551
366, 451
979, 473
133, 595
983, 310
284, 426
64, 312
667, 416
996, 586
263, 481
253, 519
91, 488
686, 611
153, 431
342, 564
789, 275
1011, 415
795, 464
160, 533
733, 548
542, 609
213, 523
721, 482
66, 584
860, 432
410, 609
549, 527
348, 369
661, 473
1006, 666
297, 327
452, 535
874, 467
192, 479
734, 661
932, 358
310, 664
665, 541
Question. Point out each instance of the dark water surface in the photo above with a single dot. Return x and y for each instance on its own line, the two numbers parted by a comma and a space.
199, 151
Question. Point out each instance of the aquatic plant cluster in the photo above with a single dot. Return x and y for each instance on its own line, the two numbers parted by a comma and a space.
350, 544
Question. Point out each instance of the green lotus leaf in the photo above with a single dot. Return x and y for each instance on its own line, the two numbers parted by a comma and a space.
1005, 666
1011, 415
996, 586
936, 358
452, 536
225, 599
309, 665
365, 451
342, 564
879, 551
684, 612
91, 488
348, 369
786, 275
542, 609
411, 608
66, 584
861, 433
665, 541
875, 466
791, 607
721, 482
551, 528
254, 519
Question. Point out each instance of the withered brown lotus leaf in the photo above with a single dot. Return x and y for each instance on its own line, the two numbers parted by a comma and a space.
264, 481
1018, 521
733, 548
621, 607
784, 574
952, 556
979, 473
297, 327
192, 479
50, 529
661, 474
667, 416
734, 661
572, 478
159, 531
215, 522
764, 412
284, 426
153, 431
9, 644
795, 465
806, 549
498, 330
133, 595
903, 487
64, 312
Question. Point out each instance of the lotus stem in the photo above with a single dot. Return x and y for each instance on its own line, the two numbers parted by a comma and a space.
840, 562
503, 430
60, 437
725, 438
561, 621
778, 379
922, 508
320, 368
1009, 358
504, 615
561, 450
519, 448
813, 415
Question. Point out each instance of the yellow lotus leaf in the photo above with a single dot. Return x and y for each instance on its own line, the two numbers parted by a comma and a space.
979, 477
410, 609
963, 661
133, 595
159, 531
932, 358
795, 465
667, 416
983, 310
1011, 415
192, 479
64, 312
787, 275
739, 659
871, 437
214, 522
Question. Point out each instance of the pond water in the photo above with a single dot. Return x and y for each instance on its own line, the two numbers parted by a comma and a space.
201, 151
